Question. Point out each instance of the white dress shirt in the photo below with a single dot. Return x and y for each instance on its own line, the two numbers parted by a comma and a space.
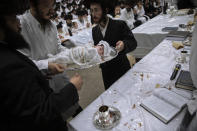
140, 14
103, 30
81, 24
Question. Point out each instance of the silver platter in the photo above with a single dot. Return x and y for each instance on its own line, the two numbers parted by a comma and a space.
113, 54
115, 117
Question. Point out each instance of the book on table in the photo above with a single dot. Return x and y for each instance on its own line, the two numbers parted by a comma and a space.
184, 81
177, 35
164, 104
168, 29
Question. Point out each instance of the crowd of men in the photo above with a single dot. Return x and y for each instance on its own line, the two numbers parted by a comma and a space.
72, 16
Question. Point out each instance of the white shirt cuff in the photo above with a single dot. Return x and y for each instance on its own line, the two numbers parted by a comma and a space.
41, 64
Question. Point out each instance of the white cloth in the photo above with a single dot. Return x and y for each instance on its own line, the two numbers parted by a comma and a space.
63, 21
83, 37
64, 34
128, 17
58, 13
77, 2
81, 24
67, 10
65, 29
83, 56
56, 21
140, 12
103, 30
110, 16
149, 34
88, 19
75, 16
109, 52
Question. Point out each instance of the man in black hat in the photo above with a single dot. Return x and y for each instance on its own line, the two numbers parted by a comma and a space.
118, 35
27, 101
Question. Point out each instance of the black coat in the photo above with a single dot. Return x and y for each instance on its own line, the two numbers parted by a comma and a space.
116, 30
27, 102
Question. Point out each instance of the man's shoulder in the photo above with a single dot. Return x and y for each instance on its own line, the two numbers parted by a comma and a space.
5, 51
8, 56
95, 27
123, 11
13, 62
118, 22
25, 17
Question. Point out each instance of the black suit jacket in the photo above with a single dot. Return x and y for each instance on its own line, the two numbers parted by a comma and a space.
27, 101
116, 30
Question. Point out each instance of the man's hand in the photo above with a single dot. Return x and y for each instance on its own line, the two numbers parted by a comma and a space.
100, 50
77, 81
120, 46
55, 68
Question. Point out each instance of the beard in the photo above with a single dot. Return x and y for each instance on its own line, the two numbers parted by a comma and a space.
102, 19
14, 39
43, 22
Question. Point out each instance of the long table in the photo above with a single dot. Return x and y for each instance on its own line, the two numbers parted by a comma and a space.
126, 94
150, 34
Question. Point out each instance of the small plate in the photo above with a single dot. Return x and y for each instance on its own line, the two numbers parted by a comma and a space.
115, 117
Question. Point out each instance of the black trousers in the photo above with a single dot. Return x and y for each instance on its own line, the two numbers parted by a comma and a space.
113, 73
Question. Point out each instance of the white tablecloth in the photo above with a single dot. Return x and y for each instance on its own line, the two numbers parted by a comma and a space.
131, 89
83, 37
150, 34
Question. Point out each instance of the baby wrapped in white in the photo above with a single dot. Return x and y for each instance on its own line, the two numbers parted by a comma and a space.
84, 57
